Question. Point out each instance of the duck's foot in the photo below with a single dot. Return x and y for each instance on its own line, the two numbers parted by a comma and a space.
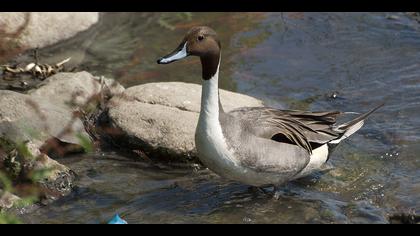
327, 167
259, 189
271, 190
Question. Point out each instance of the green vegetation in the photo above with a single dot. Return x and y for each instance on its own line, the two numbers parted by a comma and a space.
16, 157
85, 142
8, 219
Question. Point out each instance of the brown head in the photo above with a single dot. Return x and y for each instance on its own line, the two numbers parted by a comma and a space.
200, 41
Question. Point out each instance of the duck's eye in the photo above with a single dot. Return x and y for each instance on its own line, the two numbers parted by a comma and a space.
200, 37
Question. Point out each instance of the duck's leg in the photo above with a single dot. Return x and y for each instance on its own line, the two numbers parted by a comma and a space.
257, 189
261, 189
325, 168
274, 190
282, 190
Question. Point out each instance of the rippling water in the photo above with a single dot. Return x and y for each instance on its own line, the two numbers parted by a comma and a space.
290, 60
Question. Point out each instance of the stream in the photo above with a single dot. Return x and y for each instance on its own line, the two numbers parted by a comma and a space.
314, 61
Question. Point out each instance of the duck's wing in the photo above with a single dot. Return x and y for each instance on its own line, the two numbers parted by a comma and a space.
303, 128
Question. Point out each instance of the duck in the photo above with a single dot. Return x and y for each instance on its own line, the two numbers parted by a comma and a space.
257, 146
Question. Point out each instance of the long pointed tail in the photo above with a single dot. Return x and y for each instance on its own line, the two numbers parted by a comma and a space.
354, 125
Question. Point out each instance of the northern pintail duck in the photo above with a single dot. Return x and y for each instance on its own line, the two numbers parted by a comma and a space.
258, 146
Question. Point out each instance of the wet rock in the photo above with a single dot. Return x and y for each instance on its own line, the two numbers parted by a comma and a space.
25, 164
160, 118
47, 28
333, 95
7, 200
392, 17
411, 216
414, 15
55, 179
30, 122
40, 162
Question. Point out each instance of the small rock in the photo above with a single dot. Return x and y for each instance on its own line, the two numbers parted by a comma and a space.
7, 200
393, 17
333, 95
54, 178
405, 218
23, 84
247, 220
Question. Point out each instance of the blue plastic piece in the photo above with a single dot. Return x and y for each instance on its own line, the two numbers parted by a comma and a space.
116, 220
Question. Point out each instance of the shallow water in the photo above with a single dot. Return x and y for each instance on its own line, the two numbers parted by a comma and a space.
290, 60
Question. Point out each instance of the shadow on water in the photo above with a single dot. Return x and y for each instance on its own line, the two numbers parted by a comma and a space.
290, 60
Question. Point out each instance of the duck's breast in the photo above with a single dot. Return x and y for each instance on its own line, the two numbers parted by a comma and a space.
212, 148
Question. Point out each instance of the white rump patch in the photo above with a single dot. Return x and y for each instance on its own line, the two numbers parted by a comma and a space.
349, 132
318, 158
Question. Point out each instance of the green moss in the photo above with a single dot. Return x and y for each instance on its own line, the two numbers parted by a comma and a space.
8, 219
23, 152
5, 182
85, 142
27, 201
39, 175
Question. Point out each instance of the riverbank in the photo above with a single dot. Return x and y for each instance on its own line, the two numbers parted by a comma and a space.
287, 60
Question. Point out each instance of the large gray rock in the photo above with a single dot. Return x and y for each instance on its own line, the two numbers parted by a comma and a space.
160, 118
47, 28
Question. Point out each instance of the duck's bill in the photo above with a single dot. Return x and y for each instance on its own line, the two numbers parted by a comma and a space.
177, 54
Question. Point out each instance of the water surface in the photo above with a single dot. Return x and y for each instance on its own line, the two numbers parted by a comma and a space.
289, 60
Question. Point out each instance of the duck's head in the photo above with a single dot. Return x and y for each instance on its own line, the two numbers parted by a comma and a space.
201, 41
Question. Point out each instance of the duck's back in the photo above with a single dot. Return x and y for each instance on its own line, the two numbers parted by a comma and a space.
263, 161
